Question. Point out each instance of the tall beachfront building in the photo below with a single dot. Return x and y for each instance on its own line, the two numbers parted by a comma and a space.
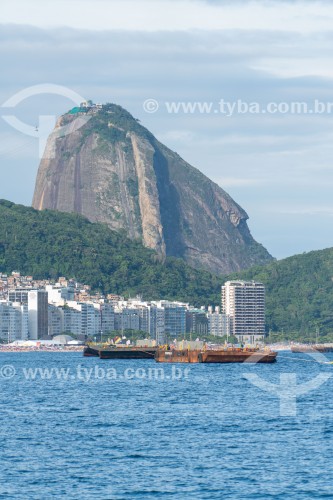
244, 303
38, 314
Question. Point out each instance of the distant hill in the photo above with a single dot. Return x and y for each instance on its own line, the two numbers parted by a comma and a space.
47, 244
299, 292
113, 170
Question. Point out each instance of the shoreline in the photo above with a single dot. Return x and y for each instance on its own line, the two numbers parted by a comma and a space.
34, 349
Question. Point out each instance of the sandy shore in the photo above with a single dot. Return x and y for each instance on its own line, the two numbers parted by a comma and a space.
41, 349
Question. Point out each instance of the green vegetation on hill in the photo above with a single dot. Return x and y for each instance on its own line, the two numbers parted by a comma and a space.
48, 244
299, 294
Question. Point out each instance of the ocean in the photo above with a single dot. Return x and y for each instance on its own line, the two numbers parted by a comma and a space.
92, 429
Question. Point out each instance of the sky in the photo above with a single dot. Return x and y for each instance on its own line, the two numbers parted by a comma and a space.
148, 55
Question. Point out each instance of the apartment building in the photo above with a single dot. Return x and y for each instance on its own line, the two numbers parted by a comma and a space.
218, 323
244, 303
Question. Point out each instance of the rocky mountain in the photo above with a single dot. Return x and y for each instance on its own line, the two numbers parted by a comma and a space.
113, 170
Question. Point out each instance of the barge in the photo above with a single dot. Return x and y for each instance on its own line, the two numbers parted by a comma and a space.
128, 353
226, 355
144, 349
90, 352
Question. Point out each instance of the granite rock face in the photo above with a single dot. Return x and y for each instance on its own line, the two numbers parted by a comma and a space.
113, 170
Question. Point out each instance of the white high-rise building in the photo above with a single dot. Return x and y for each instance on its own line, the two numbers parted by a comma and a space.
13, 321
23, 308
174, 318
90, 326
157, 323
244, 303
70, 321
126, 318
58, 295
55, 321
106, 317
38, 314
218, 323
135, 314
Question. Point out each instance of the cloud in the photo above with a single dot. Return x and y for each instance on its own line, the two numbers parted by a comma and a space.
147, 15
13, 145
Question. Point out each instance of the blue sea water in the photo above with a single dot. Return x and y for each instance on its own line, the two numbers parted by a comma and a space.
208, 434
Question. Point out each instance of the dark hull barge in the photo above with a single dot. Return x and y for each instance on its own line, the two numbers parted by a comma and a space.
90, 352
128, 353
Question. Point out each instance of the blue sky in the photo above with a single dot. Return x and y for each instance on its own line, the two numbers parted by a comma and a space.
276, 166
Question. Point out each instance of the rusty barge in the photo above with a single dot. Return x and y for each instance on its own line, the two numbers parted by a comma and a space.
223, 355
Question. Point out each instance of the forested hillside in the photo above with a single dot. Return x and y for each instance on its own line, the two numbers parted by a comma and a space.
48, 244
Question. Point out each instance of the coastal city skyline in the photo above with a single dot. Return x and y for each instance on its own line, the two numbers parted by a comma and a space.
43, 309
